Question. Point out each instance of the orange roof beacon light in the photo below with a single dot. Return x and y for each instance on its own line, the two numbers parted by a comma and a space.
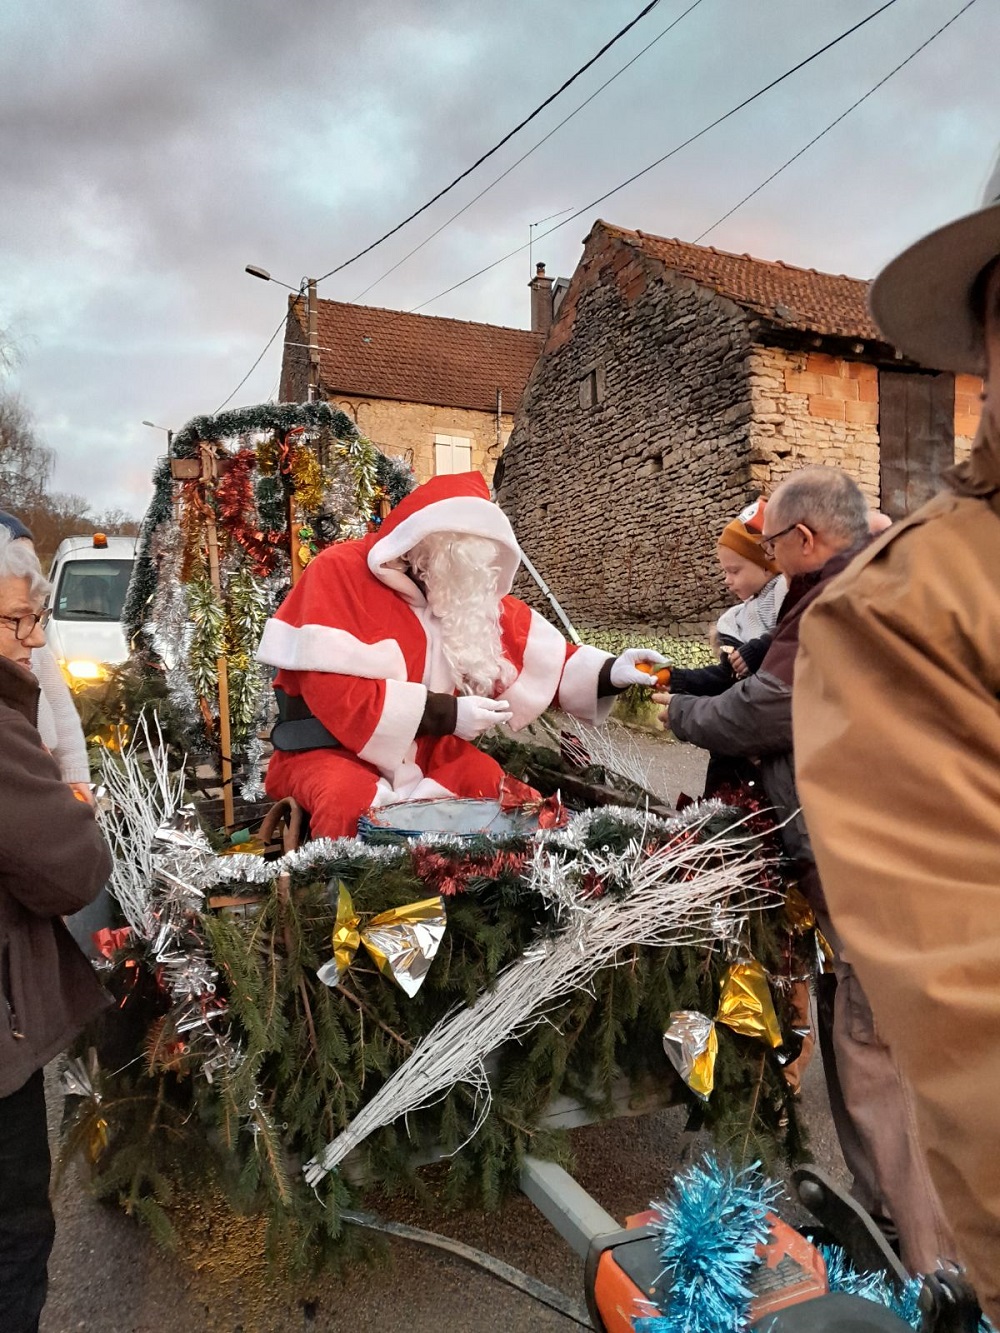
100, 541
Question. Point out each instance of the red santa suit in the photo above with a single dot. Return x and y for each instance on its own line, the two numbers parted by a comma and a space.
357, 642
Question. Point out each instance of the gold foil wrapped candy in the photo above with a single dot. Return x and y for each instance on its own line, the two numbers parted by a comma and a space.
800, 916
402, 942
691, 1046
745, 1003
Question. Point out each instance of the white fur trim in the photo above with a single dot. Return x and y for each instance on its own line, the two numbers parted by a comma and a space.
389, 744
536, 686
460, 513
578, 688
322, 648
422, 789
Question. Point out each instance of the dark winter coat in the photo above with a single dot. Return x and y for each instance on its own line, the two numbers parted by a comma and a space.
53, 861
718, 677
753, 719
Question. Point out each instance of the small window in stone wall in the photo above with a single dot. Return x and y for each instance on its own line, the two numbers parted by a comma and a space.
592, 387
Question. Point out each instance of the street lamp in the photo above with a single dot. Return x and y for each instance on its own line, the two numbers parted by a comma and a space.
170, 434
262, 273
307, 286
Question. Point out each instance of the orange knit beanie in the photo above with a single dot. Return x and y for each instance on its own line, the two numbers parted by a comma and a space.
738, 538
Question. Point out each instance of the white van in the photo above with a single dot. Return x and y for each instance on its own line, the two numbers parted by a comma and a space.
90, 577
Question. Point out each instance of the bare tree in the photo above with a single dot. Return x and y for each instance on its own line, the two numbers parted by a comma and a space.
25, 463
54, 518
117, 522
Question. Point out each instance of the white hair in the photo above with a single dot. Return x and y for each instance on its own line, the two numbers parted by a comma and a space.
461, 575
18, 561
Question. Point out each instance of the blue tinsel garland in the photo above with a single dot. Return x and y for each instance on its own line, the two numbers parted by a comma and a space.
843, 1277
710, 1228
709, 1233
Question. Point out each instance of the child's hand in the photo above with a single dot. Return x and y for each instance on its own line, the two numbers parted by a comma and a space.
740, 668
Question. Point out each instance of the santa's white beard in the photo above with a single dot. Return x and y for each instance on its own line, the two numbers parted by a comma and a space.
460, 575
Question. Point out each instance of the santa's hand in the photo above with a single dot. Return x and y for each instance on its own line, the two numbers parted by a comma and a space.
474, 715
625, 671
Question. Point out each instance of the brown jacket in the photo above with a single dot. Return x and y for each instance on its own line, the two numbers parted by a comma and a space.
897, 740
53, 861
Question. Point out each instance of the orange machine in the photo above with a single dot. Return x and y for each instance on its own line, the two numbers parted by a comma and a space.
622, 1270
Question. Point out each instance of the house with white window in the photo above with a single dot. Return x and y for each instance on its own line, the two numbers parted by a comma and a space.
439, 392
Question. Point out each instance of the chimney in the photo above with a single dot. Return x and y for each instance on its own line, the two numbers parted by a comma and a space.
541, 301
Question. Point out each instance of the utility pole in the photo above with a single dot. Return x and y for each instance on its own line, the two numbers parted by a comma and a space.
312, 323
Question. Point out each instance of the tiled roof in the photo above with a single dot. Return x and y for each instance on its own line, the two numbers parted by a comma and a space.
379, 353
796, 298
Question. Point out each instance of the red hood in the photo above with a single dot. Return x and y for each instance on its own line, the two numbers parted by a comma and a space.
457, 503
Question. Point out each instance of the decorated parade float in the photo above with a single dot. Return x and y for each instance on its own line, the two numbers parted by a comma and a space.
298, 1023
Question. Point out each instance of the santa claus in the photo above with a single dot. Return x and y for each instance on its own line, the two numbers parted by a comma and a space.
397, 651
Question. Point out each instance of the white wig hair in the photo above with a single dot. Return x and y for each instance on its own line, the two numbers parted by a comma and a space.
827, 500
461, 575
18, 561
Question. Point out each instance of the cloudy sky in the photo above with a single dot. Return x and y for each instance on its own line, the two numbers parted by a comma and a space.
149, 149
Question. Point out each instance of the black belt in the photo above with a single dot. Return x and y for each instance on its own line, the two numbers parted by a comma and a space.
297, 728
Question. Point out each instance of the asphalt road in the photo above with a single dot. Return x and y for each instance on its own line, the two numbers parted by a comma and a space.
107, 1275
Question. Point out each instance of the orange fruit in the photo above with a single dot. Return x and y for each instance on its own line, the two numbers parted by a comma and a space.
661, 675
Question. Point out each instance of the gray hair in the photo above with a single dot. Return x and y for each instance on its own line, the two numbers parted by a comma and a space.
18, 561
827, 501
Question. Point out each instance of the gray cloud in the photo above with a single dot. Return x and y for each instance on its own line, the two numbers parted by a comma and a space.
149, 151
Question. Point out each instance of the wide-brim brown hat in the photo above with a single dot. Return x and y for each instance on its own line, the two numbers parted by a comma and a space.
922, 299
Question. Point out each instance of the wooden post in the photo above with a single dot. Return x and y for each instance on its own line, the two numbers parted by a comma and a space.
209, 474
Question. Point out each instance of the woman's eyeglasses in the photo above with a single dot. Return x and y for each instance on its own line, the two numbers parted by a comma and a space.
24, 626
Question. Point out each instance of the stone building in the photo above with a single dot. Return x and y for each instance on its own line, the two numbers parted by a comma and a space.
439, 392
677, 383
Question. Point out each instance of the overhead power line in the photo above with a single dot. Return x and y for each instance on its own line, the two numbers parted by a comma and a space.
496, 147
281, 325
834, 123
524, 156
666, 156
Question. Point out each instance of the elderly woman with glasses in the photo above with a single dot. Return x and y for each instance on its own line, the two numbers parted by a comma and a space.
53, 861
58, 721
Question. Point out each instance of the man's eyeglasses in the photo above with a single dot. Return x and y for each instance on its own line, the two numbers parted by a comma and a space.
24, 626
766, 544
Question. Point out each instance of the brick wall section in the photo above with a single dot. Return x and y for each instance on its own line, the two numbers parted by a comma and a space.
619, 503
811, 408
407, 430
968, 407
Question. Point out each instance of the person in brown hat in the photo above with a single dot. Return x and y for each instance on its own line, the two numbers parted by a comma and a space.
741, 635
897, 738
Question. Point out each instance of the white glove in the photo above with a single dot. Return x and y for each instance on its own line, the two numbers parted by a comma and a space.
624, 671
476, 715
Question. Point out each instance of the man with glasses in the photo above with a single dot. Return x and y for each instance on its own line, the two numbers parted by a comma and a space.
897, 726
814, 524
53, 862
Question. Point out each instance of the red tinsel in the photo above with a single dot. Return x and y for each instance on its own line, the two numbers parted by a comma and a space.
449, 875
237, 514
107, 942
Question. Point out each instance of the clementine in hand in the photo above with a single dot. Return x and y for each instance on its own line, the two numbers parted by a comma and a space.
661, 675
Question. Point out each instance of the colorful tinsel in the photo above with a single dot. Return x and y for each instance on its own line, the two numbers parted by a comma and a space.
843, 1277
710, 1229
709, 1233
208, 641
237, 518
